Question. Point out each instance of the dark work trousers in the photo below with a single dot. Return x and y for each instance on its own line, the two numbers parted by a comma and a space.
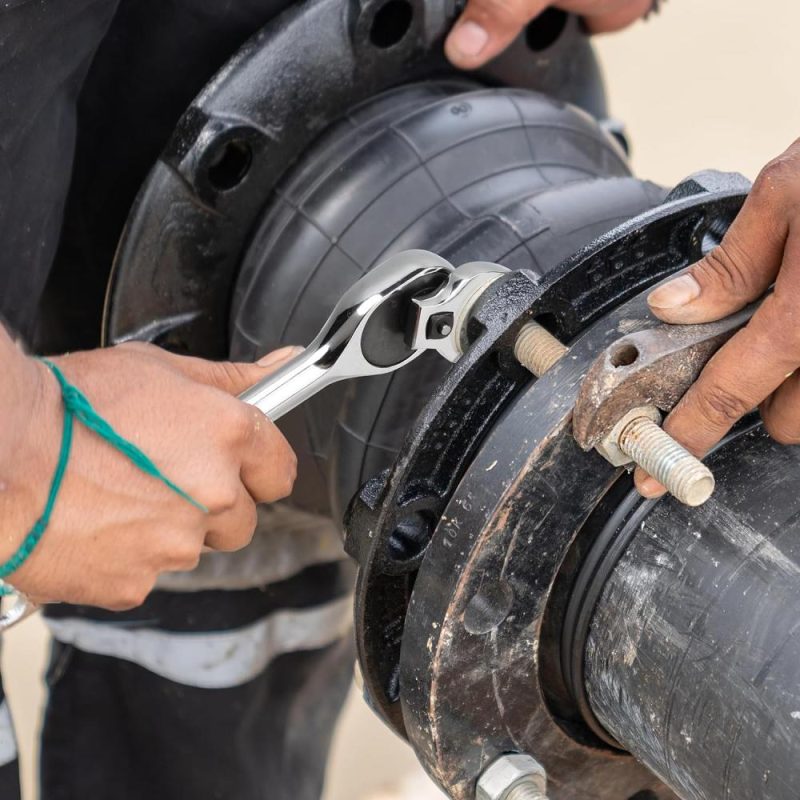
228, 681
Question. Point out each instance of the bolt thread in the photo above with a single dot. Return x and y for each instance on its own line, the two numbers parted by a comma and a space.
526, 790
655, 451
537, 349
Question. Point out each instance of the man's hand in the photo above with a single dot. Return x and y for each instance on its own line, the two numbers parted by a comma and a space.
757, 366
487, 27
114, 528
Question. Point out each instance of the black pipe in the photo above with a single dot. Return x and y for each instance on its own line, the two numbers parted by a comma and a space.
693, 657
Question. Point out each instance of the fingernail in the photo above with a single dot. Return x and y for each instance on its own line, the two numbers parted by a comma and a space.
469, 39
678, 292
279, 356
650, 487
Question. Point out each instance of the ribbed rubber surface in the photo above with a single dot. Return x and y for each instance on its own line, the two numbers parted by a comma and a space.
472, 174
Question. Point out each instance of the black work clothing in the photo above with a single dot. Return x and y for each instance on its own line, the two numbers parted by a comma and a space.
228, 681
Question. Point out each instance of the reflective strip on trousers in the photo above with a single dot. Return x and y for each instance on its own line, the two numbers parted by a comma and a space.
216, 660
8, 740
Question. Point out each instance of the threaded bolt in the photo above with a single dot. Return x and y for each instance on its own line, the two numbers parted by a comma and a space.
537, 349
656, 452
527, 790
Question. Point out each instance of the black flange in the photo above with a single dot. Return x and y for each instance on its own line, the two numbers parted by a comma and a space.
448, 640
466, 405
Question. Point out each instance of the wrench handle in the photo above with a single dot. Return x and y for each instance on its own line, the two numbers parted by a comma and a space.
291, 385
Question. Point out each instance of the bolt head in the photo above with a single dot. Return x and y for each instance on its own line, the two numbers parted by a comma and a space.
502, 775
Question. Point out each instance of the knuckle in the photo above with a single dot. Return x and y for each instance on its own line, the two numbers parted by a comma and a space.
779, 430
777, 182
501, 13
725, 266
185, 555
240, 535
779, 323
132, 594
282, 478
248, 527
243, 424
779, 426
720, 406
222, 498
782, 166
190, 562
229, 373
134, 346
220, 371
290, 473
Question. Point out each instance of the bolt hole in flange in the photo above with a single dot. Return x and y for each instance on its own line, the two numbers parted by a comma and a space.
411, 536
544, 31
624, 355
391, 23
230, 164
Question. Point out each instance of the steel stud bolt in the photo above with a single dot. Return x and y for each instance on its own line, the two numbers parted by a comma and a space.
673, 466
537, 349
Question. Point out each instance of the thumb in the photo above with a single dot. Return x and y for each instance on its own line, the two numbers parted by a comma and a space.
277, 358
234, 377
735, 273
487, 27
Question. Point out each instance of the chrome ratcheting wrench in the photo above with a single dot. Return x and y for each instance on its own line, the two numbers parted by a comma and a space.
412, 302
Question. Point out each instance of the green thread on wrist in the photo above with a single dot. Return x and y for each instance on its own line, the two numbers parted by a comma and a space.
40, 526
77, 406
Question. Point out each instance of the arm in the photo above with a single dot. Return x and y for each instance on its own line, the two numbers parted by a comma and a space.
487, 27
114, 529
757, 367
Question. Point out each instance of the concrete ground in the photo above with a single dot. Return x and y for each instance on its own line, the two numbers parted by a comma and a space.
711, 83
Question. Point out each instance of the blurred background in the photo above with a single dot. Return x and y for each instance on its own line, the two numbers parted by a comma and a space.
707, 83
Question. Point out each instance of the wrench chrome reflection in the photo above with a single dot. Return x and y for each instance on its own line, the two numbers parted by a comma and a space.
364, 335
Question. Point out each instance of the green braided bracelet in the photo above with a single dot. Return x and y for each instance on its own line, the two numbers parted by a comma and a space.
77, 406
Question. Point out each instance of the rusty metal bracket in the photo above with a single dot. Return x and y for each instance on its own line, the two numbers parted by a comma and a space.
653, 367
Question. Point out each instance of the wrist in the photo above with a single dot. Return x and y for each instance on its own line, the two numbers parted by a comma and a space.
30, 405
20, 397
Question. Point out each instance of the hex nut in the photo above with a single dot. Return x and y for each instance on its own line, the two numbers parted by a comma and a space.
508, 771
609, 446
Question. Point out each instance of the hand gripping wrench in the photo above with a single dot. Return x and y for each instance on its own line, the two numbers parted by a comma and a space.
413, 302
